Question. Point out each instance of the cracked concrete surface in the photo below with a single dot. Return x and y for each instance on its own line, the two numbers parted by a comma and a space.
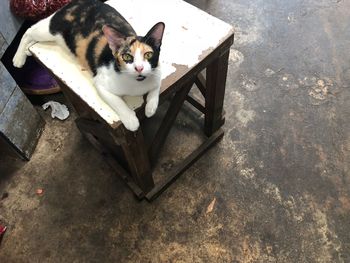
280, 177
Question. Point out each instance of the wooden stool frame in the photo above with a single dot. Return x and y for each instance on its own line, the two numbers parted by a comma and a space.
140, 159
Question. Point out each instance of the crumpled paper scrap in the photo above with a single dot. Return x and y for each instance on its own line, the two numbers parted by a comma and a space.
58, 110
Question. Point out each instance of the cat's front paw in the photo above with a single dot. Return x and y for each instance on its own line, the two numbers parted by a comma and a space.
151, 108
131, 123
19, 59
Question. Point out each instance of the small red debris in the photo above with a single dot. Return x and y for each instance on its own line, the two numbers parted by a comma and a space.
2, 229
2, 232
39, 191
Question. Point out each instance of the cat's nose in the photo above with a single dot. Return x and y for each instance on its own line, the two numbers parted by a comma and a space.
139, 69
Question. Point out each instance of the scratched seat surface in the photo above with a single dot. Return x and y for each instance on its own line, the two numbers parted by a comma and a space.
187, 40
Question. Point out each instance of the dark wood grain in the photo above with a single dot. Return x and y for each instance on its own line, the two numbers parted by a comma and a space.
200, 83
135, 152
168, 121
195, 103
215, 92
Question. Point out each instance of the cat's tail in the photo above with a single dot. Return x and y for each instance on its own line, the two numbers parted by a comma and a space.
37, 33
22, 52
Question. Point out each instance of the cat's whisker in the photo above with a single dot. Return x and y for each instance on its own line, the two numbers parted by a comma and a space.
155, 74
133, 73
126, 72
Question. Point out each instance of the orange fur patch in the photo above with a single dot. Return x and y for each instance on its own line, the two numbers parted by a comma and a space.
142, 46
137, 44
101, 44
69, 17
82, 46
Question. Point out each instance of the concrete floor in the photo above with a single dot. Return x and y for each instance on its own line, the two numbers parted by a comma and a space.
276, 189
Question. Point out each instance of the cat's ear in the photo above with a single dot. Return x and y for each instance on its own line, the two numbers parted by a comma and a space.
156, 34
115, 39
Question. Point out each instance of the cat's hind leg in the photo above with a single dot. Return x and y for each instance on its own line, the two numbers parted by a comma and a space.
37, 33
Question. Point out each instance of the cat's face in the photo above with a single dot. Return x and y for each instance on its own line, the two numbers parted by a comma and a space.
136, 56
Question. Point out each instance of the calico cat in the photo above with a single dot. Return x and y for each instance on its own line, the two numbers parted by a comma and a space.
121, 62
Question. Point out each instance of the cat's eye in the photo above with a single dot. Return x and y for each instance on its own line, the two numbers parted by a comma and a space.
127, 57
148, 55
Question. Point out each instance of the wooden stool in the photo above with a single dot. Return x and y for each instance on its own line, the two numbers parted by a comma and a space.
193, 42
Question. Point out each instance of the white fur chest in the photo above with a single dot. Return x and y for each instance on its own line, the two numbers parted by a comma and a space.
122, 84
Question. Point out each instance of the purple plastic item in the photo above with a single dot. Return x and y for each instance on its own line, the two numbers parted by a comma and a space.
35, 79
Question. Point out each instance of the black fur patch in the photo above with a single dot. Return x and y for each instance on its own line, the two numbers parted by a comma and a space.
90, 55
86, 17
156, 51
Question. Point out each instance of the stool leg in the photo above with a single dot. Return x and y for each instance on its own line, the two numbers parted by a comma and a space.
168, 121
135, 152
214, 95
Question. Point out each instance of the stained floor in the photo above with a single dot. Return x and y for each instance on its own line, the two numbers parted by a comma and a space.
275, 189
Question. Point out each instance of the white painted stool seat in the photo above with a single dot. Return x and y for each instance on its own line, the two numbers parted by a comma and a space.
190, 35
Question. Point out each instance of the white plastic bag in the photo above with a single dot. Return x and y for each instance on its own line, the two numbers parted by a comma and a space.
58, 110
